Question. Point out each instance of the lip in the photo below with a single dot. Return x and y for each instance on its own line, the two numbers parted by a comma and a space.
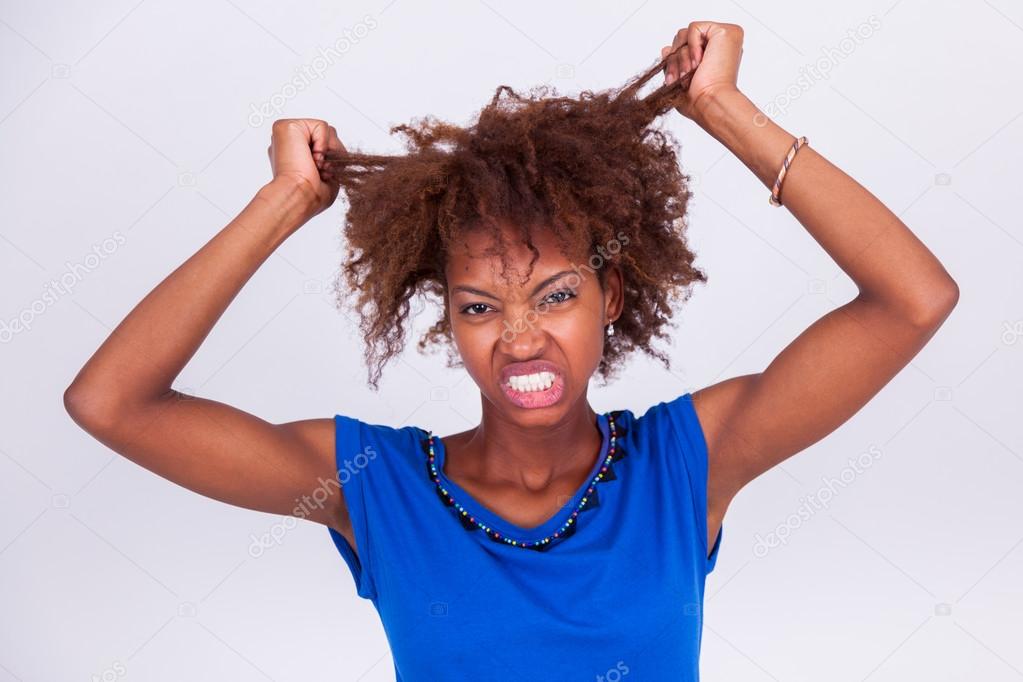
531, 367
533, 399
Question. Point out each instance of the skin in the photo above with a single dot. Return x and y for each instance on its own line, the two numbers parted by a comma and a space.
522, 463
506, 459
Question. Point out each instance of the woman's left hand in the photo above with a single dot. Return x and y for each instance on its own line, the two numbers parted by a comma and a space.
714, 49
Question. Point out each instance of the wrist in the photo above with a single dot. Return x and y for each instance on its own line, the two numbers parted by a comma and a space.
710, 106
292, 201
736, 122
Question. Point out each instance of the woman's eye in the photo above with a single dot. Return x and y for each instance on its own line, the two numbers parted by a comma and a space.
475, 308
560, 296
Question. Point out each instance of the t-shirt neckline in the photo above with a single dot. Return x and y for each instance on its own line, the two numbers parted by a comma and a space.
502, 525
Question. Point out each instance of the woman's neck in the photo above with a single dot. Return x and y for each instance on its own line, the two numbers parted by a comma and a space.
501, 452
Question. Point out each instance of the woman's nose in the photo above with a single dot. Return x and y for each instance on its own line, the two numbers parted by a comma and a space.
522, 333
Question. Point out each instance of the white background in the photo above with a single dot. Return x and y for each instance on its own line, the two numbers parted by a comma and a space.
135, 119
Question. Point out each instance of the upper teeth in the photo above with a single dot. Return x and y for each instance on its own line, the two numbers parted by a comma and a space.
540, 381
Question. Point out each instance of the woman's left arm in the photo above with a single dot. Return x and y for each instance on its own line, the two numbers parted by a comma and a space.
834, 367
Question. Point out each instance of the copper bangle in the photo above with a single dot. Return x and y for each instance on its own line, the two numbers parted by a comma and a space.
775, 197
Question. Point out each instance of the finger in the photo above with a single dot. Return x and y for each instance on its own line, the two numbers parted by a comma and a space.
677, 47
673, 61
319, 136
700, 37
334, 142
334, 146
696, 30
291, 141
685, 61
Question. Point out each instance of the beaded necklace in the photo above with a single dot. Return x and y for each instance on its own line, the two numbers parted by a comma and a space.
469, 521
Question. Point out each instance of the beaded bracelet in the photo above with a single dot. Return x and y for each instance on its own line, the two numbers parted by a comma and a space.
775, 197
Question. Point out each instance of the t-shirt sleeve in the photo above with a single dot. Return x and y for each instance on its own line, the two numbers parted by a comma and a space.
688, 432
356, 445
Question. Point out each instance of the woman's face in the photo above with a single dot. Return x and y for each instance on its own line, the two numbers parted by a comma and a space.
531, 348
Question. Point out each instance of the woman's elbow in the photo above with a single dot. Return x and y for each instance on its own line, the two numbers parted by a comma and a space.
941, 299
89, 408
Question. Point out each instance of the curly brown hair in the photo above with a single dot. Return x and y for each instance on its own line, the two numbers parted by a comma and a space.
591, 169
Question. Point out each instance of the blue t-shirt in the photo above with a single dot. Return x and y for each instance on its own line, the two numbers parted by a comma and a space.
618, 595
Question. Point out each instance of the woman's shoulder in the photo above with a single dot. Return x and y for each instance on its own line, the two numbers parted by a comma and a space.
670, 431
674, 413
355, 435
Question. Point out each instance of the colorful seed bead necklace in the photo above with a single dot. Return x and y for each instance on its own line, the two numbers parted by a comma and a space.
498, 537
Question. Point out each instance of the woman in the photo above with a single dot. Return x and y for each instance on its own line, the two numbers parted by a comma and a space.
549, 541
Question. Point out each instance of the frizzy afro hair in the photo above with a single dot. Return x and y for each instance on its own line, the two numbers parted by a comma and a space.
590, 169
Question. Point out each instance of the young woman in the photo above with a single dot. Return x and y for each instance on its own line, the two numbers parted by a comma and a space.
549, 541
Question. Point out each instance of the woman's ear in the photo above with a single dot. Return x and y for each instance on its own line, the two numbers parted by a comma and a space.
614, 292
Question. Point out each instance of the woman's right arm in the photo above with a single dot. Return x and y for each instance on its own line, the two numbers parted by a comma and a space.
123, 395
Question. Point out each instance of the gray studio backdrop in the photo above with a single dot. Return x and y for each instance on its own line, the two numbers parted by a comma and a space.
133, 131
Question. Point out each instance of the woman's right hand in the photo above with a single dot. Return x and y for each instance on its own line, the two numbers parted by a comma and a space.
296, 152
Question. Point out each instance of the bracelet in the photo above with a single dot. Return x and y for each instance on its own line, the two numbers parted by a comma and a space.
775, 198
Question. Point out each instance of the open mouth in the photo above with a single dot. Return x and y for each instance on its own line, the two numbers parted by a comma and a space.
536, 389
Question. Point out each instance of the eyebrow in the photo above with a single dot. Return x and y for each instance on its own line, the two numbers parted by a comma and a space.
541, 285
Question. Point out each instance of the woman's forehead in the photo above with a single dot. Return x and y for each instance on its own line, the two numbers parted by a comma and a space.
479, 254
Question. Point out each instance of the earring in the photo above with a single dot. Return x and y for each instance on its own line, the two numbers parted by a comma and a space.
611, 328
